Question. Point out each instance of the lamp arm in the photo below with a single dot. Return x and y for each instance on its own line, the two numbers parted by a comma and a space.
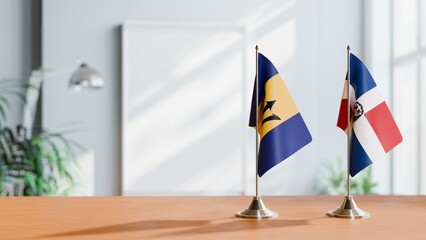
32, 96
59, 69
33, 93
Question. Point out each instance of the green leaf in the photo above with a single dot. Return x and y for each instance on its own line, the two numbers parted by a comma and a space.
3, 113
5, 101
30, 181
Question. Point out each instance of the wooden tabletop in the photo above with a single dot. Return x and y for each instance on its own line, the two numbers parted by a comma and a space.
301, 217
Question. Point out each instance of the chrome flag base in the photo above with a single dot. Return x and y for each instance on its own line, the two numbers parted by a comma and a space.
348, 209
257, 209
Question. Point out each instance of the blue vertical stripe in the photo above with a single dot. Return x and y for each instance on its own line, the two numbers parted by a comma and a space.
361, 79
266, 71
359, 158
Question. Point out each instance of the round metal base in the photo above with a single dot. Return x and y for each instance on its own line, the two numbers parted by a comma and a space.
257, 209
348, 209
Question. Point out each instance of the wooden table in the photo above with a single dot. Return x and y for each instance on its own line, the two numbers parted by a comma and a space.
392, 217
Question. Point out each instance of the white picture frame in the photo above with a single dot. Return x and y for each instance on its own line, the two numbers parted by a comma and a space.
184, 112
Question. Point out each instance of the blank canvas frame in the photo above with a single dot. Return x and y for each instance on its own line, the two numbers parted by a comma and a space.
183, 108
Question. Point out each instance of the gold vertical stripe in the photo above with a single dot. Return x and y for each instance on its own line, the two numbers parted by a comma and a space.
284, 106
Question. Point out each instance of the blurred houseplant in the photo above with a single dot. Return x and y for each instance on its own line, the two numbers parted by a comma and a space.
32, 166
333, 181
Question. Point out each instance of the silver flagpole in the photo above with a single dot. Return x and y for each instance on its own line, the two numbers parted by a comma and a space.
348, 209
257, 208
257, 122
348, 148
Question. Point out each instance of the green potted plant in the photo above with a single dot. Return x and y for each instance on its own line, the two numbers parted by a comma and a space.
32, 166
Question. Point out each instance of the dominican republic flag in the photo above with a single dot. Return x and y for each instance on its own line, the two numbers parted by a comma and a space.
374, 131
281, 127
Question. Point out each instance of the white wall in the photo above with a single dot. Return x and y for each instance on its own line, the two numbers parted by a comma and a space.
15, 47
306, 40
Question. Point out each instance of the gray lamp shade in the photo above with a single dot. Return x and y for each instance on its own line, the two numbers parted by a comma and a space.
86, 77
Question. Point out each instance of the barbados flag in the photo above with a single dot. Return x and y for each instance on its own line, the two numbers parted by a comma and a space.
374, 131
281, 127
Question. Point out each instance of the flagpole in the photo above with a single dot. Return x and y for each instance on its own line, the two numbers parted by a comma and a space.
257, 122
349, 125
257, 208
348, 208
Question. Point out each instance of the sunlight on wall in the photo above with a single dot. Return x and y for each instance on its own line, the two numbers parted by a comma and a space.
206, 51
265, 13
